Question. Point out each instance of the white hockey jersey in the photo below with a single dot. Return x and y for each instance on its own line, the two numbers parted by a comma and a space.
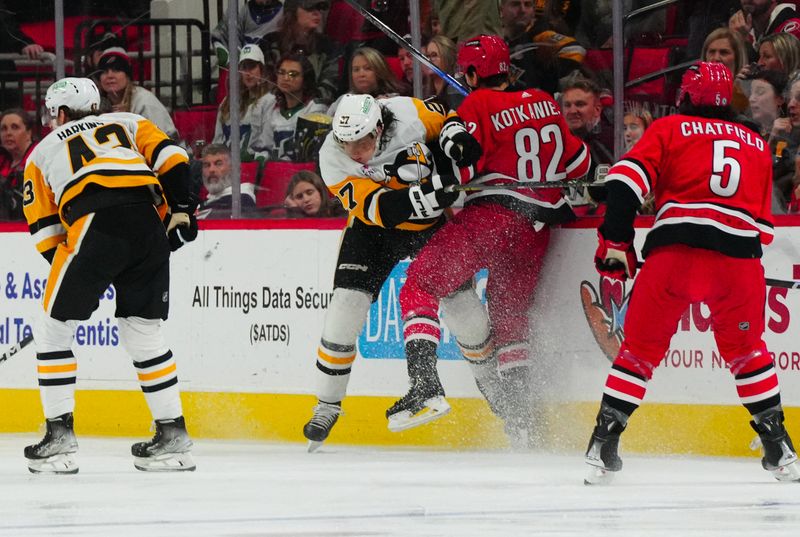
116, 150
415, 121
272, 135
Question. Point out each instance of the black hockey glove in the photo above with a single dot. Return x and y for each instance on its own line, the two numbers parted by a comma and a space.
181, 224
458, 144
437, 185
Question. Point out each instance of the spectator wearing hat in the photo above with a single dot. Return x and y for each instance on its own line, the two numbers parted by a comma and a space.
254, 98
98, 43
257, 18
300, 32
119, 93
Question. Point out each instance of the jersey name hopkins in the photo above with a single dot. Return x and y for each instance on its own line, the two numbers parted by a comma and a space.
78, 127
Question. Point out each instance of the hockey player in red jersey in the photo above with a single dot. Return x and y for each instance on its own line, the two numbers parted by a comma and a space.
524, 138
712, 182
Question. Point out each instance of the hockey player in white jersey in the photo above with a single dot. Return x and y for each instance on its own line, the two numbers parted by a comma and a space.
96, 193
377, 163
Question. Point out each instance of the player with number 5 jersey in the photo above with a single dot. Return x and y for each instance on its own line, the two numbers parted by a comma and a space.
712, 184
524, 138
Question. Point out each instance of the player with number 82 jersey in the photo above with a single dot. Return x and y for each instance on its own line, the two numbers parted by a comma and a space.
524, 138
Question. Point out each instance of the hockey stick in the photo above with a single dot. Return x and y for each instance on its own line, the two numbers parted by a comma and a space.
15, 349
535, 185
397, 38
771, 282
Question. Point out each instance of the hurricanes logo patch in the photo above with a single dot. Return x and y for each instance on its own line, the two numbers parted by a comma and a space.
605, 309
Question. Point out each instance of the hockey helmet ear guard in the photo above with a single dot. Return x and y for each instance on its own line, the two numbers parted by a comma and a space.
356, 117
487, 54
707, 84
77, 94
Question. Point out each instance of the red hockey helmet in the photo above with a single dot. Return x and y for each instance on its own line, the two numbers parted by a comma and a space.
488, 54
707, 84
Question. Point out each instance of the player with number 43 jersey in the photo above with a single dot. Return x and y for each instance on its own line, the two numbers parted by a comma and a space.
712, 183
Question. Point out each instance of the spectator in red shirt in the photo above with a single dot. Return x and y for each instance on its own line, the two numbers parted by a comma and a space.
16, 135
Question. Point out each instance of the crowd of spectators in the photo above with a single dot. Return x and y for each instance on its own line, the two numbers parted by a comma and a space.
292, 67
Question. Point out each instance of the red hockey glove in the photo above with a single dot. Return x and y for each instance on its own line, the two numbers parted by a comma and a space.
615, 260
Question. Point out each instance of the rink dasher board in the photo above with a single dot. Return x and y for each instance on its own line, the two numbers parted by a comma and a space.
227, 334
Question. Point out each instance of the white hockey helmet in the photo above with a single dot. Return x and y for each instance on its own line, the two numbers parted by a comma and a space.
77, 94
356, 117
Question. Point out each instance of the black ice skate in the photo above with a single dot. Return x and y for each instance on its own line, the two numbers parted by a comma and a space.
55, 454
423, 403
780, 458
319, 426
168, 451
601, 455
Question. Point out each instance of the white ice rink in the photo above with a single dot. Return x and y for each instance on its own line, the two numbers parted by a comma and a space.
245, 489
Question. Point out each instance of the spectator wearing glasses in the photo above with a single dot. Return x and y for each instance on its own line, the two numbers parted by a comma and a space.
442, 52
295, 92
300, 32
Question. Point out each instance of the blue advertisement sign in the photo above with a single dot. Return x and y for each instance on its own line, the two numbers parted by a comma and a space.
382, 337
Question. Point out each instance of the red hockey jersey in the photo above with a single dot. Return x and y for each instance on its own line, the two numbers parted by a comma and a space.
712, 182
524, 138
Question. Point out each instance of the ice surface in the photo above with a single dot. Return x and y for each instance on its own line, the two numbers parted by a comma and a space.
247, 489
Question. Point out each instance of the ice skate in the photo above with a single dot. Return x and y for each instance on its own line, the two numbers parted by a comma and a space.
319, 426
780, 458
516, 405
601, 455
423, 404
168, 451
55, 454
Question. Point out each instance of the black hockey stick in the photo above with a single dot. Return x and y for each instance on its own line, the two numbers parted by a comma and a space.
16, 348
397, 38
771, 282
535, 185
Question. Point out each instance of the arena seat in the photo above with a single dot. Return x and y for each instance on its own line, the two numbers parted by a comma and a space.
274, 180
196, 123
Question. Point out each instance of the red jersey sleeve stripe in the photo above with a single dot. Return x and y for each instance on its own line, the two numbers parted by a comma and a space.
579, 164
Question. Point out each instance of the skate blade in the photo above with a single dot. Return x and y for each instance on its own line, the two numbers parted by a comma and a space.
435, 408
313, 445
168, 462
787, 472
597, 475
63, 463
